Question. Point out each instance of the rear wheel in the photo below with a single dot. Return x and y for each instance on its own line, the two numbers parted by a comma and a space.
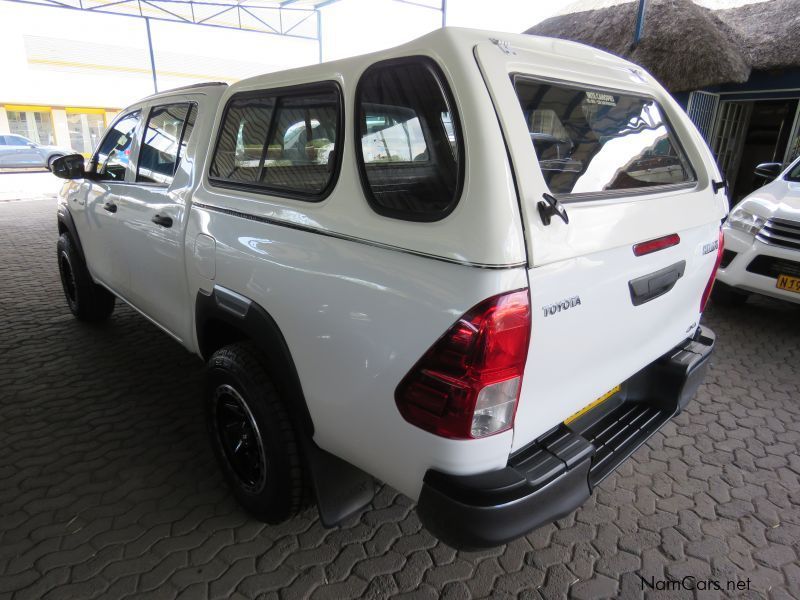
727, 296
87, 300
252, 435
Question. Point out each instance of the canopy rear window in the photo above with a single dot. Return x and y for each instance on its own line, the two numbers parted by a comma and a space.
596, 141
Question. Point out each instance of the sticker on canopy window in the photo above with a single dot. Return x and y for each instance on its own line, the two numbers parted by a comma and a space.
600, 98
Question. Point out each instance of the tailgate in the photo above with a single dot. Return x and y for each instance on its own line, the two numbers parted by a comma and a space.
625, 164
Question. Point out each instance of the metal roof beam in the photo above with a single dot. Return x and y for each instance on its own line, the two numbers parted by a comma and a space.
162, 13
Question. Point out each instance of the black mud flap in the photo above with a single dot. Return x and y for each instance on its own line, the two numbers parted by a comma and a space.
341, 489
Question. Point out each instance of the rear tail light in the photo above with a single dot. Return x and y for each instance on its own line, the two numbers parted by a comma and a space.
467, 384
710, 284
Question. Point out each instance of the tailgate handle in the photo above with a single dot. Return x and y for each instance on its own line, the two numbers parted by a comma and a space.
648, 287
550, 207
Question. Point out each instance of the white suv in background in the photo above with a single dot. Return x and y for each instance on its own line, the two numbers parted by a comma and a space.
762, 240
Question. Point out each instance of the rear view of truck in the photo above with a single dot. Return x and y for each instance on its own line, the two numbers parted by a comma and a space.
622, 207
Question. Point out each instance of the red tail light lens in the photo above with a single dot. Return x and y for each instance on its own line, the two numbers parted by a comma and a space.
657, 244
710, 284
467, 384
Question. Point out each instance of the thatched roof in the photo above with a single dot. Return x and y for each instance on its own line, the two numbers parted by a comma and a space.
686, 46
770, 30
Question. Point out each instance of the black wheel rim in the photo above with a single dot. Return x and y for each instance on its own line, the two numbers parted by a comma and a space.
240, 438
67, 277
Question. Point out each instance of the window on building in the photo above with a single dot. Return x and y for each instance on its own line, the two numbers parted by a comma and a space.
590, 141
112, 157
85, 129
283, 141
410, 140
35, 125
164, 143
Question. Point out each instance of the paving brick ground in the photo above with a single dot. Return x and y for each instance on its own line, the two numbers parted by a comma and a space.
108, 487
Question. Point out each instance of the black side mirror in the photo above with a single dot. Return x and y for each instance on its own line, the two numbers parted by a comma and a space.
769, 170
69, 167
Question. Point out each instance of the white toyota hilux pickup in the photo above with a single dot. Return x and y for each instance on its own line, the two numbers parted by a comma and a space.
471, 267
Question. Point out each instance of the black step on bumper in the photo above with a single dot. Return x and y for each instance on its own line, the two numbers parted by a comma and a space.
551, 477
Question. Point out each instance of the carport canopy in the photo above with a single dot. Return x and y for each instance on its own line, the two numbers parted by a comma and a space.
289, 18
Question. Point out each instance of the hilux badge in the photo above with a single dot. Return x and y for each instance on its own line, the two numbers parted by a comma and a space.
565, 304
710, 246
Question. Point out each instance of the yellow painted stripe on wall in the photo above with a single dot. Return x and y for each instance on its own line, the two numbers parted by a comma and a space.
26, 107
85, 111
80, 65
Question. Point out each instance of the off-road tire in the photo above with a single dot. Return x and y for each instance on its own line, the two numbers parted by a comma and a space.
237, 374
87, 300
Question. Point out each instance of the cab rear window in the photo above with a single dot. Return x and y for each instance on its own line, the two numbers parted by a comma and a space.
595, 141
281, 142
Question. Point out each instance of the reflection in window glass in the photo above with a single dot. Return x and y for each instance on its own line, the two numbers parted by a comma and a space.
393, 134
241, 140
300, 154
300, 151
164, 143
111, 160
409, 140
593, 141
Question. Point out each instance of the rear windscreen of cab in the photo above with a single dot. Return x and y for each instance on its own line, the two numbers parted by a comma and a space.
591, 141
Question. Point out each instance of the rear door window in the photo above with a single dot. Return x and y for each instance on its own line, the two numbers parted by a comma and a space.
283, 141
408, 140
591, 142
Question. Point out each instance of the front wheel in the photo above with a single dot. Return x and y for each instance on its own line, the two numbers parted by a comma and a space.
252, 435
87, 300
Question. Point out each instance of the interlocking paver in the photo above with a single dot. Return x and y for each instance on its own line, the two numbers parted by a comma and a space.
108, 486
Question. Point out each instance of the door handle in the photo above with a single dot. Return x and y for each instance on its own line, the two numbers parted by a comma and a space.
110, 207
550, 207
649, 287
162, 220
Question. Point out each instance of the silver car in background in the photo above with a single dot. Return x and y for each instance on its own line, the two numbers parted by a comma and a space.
18, 152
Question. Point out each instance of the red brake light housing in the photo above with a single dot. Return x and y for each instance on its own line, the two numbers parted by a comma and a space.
657, 244
467, 384
710, 284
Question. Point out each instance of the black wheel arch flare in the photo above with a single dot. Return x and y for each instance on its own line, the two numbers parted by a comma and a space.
224, 316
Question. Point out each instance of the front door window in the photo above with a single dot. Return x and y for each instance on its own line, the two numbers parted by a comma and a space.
113, 155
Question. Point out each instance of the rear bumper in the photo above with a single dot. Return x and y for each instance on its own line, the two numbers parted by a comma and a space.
553, 476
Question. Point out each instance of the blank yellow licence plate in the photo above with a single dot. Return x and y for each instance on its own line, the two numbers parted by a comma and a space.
592, 405
789, 283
